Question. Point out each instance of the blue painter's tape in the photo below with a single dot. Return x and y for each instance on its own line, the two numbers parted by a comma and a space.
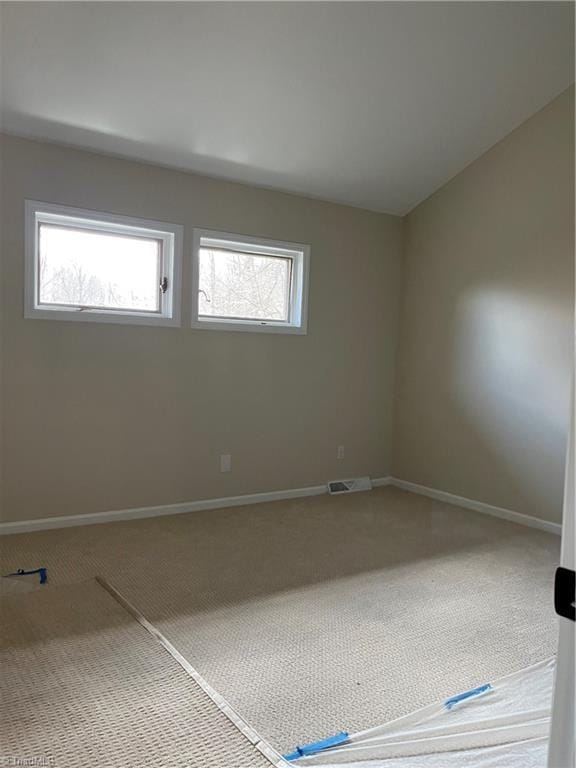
43, 573
318, 746
449, 703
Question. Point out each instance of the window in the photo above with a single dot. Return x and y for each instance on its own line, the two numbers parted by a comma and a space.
82, 265
249, 284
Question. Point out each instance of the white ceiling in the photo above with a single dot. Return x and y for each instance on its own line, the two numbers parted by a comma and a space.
371, 104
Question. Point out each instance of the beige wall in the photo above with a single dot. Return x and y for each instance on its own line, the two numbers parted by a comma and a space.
105, 417
486, 324
102, 417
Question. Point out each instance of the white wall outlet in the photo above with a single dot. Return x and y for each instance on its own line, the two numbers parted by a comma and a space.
226, 462
340, 452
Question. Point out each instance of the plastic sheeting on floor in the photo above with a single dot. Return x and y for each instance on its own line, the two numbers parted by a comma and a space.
503, 724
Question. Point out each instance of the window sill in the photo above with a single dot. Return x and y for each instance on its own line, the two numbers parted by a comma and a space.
249, 326
95, 316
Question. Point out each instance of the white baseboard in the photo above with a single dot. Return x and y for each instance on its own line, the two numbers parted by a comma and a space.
92, 518
378, 482
478, 506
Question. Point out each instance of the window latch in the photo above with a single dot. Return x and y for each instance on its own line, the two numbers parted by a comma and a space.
164, 284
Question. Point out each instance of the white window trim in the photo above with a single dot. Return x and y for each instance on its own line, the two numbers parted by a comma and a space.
170, 234
299, 252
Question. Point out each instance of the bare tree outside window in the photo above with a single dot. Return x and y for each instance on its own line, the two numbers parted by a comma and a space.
84, 268
244, 285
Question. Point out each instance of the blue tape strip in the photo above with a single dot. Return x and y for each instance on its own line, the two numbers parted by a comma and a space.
42, 571
449, 703
318, 746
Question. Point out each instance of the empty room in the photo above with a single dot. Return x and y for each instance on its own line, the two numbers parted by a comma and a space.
287, 384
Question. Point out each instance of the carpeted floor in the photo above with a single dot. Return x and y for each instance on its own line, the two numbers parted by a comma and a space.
316, 615
83, 684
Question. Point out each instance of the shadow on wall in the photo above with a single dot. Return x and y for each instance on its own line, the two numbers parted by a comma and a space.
516, 405
218, 161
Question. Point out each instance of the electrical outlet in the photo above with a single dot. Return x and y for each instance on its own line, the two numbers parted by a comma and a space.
340, 452
225, 462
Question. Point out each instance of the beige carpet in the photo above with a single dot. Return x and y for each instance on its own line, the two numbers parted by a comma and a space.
316, 615
83, 684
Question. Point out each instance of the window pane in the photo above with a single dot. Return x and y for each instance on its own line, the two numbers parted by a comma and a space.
79, 267
244, 285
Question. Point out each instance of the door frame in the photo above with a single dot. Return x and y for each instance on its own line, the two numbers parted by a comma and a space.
561, 747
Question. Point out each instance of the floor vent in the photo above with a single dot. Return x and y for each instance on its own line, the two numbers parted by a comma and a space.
349, 486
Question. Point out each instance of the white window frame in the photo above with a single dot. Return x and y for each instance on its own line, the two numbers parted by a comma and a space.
171, 235
298, 252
